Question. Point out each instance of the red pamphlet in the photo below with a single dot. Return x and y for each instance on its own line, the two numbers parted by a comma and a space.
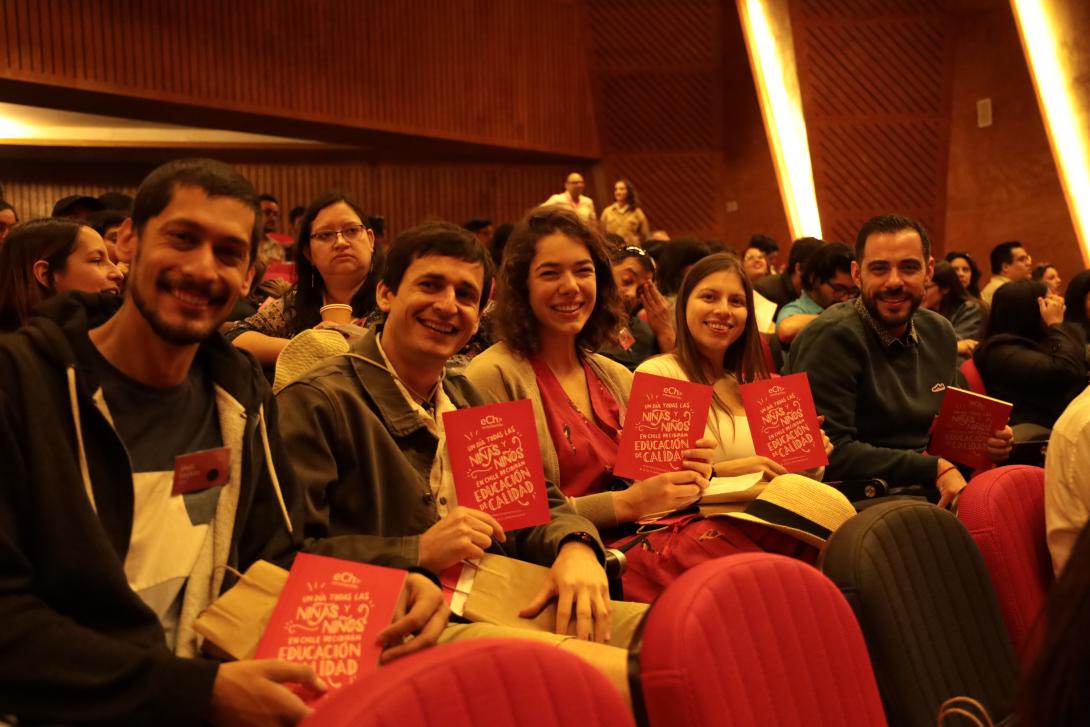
329, 616
965, 421
496, 458
784, 423
665, 417
277, 270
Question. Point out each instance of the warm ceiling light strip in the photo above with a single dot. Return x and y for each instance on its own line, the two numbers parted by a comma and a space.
1066, 131
772, 59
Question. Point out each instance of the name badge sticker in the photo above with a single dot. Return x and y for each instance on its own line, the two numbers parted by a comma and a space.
200, 470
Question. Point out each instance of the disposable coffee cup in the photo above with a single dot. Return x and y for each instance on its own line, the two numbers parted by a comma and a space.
336, 313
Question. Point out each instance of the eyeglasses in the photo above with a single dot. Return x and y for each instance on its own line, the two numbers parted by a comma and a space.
352, 233
844, 291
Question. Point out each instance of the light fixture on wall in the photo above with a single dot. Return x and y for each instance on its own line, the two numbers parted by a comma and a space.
767, 32
1067, 132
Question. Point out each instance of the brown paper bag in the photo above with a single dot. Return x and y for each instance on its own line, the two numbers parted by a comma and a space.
504, 586
233, 624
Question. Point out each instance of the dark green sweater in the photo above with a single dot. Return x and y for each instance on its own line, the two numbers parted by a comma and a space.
878, 401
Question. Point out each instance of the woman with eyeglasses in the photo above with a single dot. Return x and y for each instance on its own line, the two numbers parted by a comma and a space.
718, 344
651, 333
335, 254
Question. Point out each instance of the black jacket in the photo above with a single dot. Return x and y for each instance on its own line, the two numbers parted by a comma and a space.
77, 645
1040, 378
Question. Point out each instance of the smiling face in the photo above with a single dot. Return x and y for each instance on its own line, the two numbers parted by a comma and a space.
88, 267
434, 311
192, 262
575, 185
340, 258
715, 314
755, 264
562, 285
891, 277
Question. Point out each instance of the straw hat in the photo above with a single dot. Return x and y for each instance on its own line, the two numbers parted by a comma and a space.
304, 351
799, 506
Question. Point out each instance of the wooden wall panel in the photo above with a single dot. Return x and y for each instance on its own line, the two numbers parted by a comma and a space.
678, 115
509, 73
405, 194
873, 75
1002, 181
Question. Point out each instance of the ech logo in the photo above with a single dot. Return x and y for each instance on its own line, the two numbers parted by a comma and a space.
345, 578
491, 421
774, 390
672, 391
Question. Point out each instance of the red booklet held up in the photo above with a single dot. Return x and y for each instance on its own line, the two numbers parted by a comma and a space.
784, 423
665, 417
965, 421
496, 459
329, 616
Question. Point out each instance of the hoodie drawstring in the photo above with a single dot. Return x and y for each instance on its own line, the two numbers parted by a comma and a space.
272, 468
84, 470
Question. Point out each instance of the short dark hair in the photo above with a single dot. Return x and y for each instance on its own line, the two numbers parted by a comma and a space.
105, 219
214, 178
801, 250
764, 243
117, 201
513, 318
266, 197
890, 223
676, 256
1075, 299
436, 238
1015, 310
297, 212
302, 309
477, 224
51, 239
499, 242
828, 260
1003, 254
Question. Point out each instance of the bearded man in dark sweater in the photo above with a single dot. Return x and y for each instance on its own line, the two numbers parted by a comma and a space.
879, 365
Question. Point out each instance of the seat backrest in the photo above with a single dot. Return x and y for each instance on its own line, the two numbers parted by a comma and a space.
1004, 511
927, 608
753, 639
972, 376
498, 682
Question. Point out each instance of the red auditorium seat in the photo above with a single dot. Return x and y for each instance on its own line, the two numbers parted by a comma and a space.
972, 376
496, 682
753, 639
1004, 511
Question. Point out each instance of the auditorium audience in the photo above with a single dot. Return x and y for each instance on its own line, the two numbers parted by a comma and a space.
878, 366
573, 199
784, 287
1029, 357
499, 242
333, 266
945, 295
1048, 273
45, 257
103, 575
271, 249
826, 279
677, 257
367, 439
1010, 261
625, 217
77, 207
8, 219
718, 344
108, 224
482, 228
556, 303
967, 270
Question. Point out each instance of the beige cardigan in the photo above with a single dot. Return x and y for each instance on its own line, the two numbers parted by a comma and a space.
499, 374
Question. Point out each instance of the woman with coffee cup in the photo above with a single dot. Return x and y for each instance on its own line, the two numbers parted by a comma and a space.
335, 285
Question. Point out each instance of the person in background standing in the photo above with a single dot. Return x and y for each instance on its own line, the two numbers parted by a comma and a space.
624, 217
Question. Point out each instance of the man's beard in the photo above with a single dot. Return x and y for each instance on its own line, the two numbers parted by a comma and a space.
189, 332
871, 304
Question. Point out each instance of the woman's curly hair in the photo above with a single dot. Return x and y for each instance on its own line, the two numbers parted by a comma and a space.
513, 319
